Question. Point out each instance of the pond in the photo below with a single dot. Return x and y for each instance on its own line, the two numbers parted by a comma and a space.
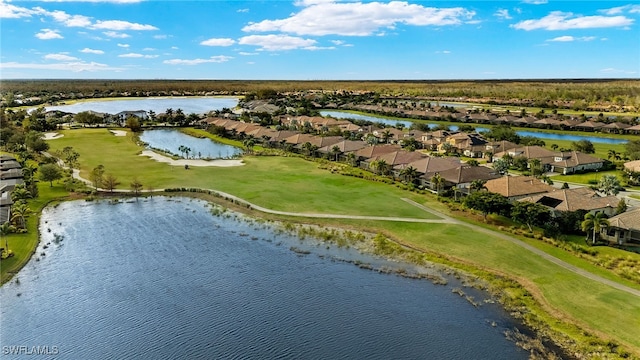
171, 141
197, 105
164, 278
541, 135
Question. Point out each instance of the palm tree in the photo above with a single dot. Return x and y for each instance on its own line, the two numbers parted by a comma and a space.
447, 148
351, 159
335, 151
409, 174
379, 166
19, 214
187, 150
248, 144
437, 181
181, 149
613, 154
386, 135
309, 148
20, 194
594, 223
477, 185
554, 147
5, 229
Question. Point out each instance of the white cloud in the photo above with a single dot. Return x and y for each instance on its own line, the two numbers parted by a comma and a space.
535, 2
148, 49
443, 52
276, 42
247, 53
160, 37
123, 45
243, 10
60, 57
568, 38
316, 48
218, 42
120, 25
70, 66
558, 20
503, 14
136, 55
69, 20
632, 9
92, 51
9, 11
116, 35
48, 34
359, 19
213, 59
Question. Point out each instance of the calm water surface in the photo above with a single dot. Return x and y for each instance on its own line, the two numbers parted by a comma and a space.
163, 278
197, 105
171, 140
541, 135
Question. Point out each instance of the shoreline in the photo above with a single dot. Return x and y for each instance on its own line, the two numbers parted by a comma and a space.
465, 284
497, 285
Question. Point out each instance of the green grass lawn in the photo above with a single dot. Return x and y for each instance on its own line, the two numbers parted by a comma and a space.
293, 184
587, 177
287, 184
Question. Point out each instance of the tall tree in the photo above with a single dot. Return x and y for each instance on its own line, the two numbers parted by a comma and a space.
110, 182
437, 182
50, 173
20, 212
97, 176
488, 203
136, 187
531, 214
594, 223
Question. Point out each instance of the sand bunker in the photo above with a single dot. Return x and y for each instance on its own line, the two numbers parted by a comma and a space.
119, 132
192, 162
52, 136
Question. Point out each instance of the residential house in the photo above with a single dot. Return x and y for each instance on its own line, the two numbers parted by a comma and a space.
345, 147
395, 158
428, 166
375, 150
574, 161
576, 199
589, 126
615, 127
461, 177
124, 115
471, 145
517, 187
623, 228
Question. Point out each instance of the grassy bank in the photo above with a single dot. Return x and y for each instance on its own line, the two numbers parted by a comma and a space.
23, 245
292, 184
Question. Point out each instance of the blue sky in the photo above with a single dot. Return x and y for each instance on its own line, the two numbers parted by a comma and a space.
319, 39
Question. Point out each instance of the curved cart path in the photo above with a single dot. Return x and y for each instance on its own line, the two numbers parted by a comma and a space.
445, 219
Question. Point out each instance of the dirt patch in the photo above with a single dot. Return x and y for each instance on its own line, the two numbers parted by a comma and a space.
118, 132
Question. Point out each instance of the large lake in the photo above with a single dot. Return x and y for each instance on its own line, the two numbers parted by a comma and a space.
163, 278
171, 140
407, 124
197, 105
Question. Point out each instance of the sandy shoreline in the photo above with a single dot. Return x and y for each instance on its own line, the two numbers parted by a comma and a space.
118, 132
192, 162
